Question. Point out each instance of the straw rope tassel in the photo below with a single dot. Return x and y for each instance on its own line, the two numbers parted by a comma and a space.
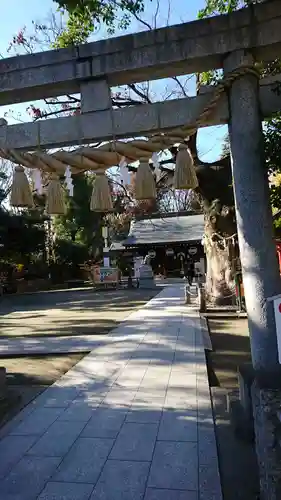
101, 200
185, 176
21, 195
55, 196
108, 155
145, 188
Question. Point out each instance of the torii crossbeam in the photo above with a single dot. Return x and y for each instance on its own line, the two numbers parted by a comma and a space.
92, 69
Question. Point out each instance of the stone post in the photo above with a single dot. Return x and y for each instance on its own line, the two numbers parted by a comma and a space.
3, 383
259, 268
266, 406
201, 298
187, 294
106, 258
254, 218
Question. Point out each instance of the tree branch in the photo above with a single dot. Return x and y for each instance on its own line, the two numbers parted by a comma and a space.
133, 87
53, 113
122, 103
126, 194
177, 80
142, 21
69, 100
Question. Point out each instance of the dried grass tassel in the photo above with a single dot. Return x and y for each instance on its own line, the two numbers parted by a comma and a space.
101, 200
21, 195
145, 187
185, 176
55, 196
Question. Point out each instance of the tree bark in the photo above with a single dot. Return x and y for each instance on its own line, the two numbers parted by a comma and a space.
215, 193
221, 253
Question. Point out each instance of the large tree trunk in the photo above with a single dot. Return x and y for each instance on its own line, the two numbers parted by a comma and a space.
220, 277
215, 194
220, 243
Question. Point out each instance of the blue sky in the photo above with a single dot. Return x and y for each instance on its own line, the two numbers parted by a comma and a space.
15, 14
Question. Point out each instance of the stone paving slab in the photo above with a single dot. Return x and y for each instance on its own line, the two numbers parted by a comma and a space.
174, 466
84, 462
131, 421
163, 494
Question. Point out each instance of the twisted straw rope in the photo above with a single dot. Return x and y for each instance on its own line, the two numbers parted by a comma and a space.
111, 153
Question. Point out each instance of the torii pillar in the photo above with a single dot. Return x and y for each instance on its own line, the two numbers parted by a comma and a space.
259, 263
261, 391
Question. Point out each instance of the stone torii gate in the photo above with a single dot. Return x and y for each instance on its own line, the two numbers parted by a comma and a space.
229, 42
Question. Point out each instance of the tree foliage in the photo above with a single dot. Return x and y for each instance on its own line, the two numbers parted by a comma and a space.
79, 224
85, 16
215, 7
22, 236
272, 139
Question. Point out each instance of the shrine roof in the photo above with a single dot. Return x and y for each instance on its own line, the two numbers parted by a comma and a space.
166, 230
117, 246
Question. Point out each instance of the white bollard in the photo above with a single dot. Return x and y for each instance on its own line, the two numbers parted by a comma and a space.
187, 294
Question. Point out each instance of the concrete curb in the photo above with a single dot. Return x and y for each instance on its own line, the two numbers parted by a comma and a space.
207, 342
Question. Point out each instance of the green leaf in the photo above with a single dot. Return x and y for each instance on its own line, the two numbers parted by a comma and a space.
85, 16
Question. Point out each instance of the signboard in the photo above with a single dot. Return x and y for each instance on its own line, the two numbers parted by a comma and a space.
106, 261
145, 271
192, 250
105, 274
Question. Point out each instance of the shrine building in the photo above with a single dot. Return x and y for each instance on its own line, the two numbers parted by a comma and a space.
170, 240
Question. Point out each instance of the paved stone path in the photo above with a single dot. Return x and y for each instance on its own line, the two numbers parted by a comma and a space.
131, 421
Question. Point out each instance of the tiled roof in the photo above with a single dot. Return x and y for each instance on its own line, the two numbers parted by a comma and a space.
181, 229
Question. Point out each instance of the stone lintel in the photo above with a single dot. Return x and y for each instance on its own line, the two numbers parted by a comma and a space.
191, 47
127, 122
